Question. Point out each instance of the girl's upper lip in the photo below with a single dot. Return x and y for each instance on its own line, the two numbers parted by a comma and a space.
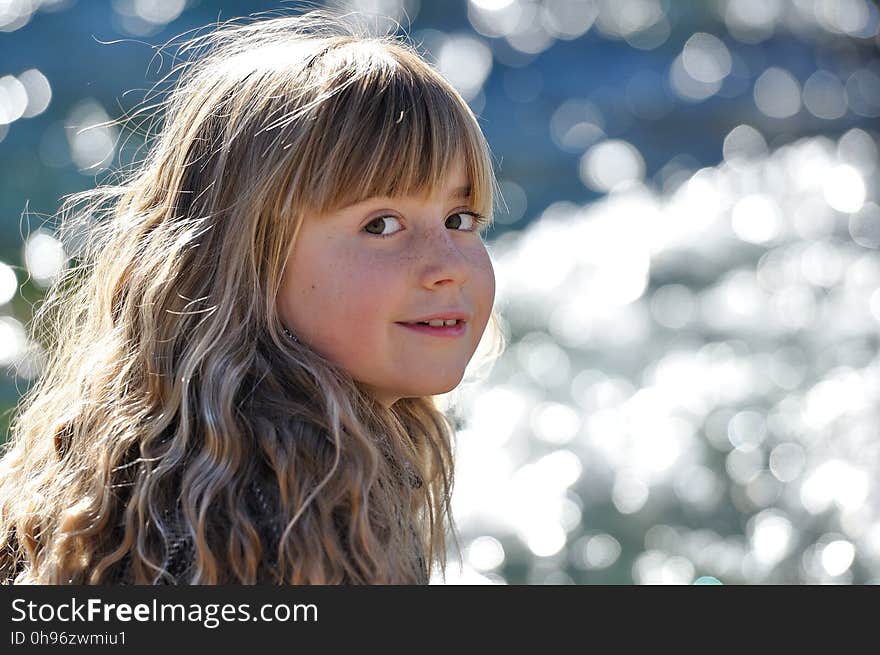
445, 315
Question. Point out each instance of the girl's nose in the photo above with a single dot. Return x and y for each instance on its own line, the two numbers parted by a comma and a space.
443, 260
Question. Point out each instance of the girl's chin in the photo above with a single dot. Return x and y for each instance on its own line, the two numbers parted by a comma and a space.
437, 388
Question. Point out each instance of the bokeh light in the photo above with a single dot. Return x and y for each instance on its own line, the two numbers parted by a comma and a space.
685, 250
777, 93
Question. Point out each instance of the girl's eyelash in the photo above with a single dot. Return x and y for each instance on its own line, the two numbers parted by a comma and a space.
479, 222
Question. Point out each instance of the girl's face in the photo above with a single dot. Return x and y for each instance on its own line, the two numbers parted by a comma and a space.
356, 273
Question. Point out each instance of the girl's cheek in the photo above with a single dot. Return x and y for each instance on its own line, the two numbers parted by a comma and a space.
364, 272
489, 277
485, 263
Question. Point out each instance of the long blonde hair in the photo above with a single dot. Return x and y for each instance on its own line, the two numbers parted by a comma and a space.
169, 382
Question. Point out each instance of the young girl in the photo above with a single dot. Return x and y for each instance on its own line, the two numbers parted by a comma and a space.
239, 386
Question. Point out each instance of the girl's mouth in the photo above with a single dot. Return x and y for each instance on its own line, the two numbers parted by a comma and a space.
456, 330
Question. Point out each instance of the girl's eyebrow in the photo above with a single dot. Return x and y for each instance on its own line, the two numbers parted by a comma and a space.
459, 192
462, 192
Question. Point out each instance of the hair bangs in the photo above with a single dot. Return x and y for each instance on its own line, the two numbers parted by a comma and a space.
395, 130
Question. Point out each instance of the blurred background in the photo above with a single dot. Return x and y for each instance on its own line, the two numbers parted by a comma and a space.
686, 261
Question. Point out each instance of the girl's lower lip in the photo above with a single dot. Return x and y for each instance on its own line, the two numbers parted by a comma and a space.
452, 331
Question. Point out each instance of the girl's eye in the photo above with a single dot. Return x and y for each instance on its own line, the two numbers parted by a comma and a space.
477, 221
381, 222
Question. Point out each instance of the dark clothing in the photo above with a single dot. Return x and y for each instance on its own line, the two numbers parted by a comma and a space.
181, 551
179, 560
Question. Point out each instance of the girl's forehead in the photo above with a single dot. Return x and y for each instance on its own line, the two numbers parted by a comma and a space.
456, 183
460, 189
455, 179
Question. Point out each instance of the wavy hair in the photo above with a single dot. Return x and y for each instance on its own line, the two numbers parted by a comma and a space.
171, 402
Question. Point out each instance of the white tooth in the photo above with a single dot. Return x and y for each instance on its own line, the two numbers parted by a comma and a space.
451, 321
437, 323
